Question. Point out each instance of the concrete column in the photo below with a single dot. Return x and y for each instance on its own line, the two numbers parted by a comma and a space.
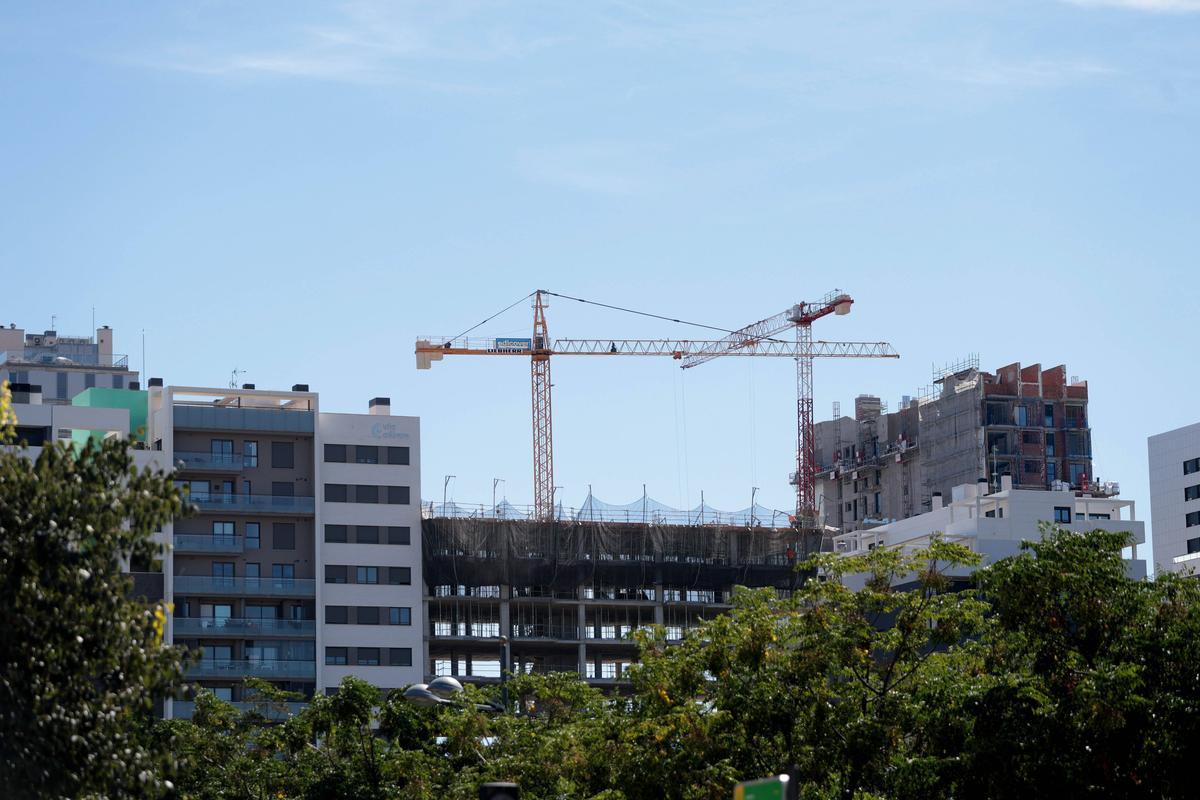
581, 618
505, 595
658, 605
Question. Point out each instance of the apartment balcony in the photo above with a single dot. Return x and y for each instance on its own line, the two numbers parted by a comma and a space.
205, 543
213, 627
210, 462
275, 712
253, 503
255, 587
233, 669
206, 416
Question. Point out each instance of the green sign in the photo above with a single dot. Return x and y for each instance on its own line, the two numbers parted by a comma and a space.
774, 788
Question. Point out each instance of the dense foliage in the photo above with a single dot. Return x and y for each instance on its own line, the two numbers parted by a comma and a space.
1053, 675
1050, 674
81, 659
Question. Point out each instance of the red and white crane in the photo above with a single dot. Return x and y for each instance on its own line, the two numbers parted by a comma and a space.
755, 340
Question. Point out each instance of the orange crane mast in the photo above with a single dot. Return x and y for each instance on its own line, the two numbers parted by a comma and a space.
753, 341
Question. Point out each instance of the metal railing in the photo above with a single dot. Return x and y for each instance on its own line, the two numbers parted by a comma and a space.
65, 358
261, 587
186, 709
253, 503
651, 512
236, 669
204, 543
224, 462
243, 626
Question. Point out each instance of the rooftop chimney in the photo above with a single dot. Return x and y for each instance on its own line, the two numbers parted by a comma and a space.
155, 382
936, 501
1006, 483
380, 406
299, 387
982, 487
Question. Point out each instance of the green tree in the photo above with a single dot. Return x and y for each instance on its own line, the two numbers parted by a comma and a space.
81, 660
1096, 681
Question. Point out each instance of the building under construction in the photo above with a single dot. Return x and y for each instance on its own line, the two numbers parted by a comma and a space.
568, 593
1024, 422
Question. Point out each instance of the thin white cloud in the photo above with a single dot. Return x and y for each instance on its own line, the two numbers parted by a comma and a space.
1155, 6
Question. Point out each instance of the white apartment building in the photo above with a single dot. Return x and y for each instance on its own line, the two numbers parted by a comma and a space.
1175, 498
994, 525
303, 563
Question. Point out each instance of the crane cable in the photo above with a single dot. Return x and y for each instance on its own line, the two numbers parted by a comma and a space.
493, 316
634, 311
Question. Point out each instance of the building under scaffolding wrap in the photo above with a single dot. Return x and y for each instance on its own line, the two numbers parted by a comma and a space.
569, 593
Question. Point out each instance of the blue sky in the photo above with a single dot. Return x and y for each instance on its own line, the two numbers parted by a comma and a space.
299, 190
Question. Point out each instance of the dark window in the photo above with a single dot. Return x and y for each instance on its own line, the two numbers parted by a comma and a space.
253, 536
1022, 415
283, 535
89, 380
368, 656
283, 455
283, 489
366, 494
399, 576
400, 616
1049, 414
336, 573
336, 615
335, 533
1029, 437
1062, 514
335, 493
335, 453
398, 535
1193, 545
366, 454
283, 571
366, 575
1191, 466
335, 656
400, 656
397, 455
1192, 519
1032, 467
1192, 492
1049, 444
249, 454
61, 385
1051, 472
397, 495
366, 534
118, 381
368, 615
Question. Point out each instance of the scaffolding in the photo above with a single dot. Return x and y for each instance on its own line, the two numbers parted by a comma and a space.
570, 595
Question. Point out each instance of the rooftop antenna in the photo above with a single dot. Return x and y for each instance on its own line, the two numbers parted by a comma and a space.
144, 354
93, 323
53, 321
233, 377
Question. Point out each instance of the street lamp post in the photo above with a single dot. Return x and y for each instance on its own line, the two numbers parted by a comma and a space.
505, 661
495, 483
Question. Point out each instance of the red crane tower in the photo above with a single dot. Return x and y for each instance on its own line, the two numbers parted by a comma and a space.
754, 340
800, 316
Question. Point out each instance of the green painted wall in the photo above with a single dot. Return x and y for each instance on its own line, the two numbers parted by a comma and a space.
134, 400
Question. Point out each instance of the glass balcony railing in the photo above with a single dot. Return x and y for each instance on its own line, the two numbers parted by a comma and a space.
259, 587
236, 669
252, 503
221, 462
186, 709
205, 543
239, 626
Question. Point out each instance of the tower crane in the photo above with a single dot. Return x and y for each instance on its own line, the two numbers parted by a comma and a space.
801, 316
753, 341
